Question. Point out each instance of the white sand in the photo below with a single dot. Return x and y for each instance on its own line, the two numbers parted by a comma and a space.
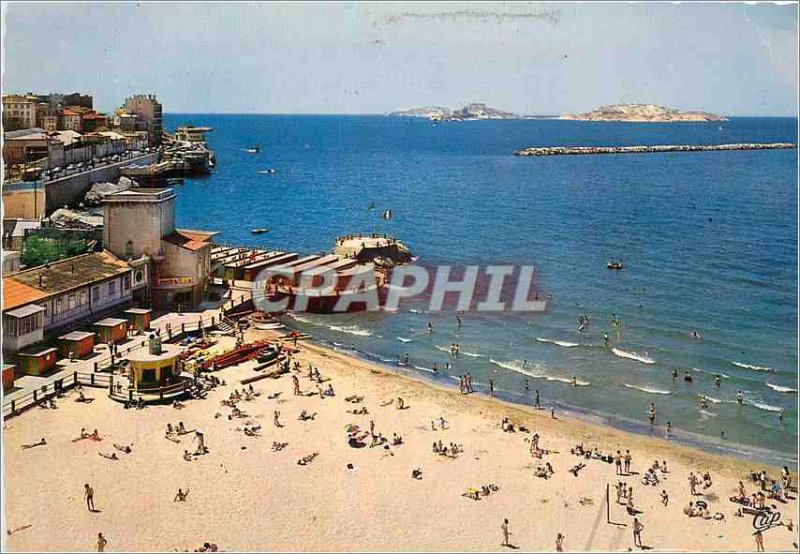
256, 499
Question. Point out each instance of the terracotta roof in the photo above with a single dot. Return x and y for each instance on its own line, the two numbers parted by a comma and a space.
68, 112
190, 240
24, 287
18, 294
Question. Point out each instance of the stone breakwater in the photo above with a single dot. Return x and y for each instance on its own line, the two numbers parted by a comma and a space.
590, 150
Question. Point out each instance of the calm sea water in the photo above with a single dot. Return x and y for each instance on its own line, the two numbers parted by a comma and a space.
709, 242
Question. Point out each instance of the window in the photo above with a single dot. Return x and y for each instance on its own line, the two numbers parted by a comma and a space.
84, 296
112, 288
126, 281
96, 294
71, 301
57, 306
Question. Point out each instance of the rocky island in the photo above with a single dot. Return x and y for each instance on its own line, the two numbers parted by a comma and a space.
469, 112
642, 113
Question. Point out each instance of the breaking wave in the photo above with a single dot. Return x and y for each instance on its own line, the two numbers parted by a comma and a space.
633, 356
649, 390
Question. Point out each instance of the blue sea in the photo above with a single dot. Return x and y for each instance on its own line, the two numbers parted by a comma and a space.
709, 241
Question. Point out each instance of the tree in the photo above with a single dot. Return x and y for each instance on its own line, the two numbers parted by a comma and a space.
40, 250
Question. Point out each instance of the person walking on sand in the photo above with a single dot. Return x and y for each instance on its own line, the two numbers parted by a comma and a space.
560, 543
759, 541
101, 542
627, 460
664, 497
536, 399
693, 483
491, 387
88, 494
296, 382
618, 462
637, 533
506, 533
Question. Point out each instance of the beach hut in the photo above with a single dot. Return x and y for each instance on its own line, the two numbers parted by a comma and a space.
81, 343
38, 360
139, 318
112, 329
8, 377
155, 367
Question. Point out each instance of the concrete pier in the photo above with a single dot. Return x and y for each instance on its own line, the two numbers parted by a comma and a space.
657, 149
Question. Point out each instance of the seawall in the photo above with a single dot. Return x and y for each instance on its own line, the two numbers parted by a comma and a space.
34, 200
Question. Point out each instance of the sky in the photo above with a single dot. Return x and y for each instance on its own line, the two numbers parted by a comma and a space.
359, 58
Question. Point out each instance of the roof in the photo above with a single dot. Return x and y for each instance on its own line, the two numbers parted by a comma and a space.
110, 322
67, 137
24, 287
28, 135
38, 350
138, 311
95, 116
69, 112
76, 335
190, 240
17, 294
25, 311
23, 132
17, 227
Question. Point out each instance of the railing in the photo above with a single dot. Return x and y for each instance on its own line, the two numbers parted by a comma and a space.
21, 403
130, 394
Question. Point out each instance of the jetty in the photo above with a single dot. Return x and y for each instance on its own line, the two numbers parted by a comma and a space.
655, 149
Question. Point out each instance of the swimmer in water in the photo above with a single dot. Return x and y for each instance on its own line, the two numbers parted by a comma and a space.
605, 339
574, 381
430, 327
717, 380
740, 398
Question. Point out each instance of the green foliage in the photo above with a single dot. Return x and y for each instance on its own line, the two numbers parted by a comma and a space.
40, 250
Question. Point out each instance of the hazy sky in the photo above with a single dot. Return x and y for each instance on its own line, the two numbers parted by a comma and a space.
535, 58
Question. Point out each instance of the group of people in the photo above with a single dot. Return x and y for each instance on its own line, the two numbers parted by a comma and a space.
465, 384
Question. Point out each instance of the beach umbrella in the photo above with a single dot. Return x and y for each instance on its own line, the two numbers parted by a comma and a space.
352, 428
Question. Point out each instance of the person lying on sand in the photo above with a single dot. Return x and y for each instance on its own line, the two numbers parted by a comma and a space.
354, 399
387, 403
178, 405
416, 473
360, 411
112, 456
42, 442
305, 460
82, 398
123, 448
95, 436
575, 469
278, 446
304, 416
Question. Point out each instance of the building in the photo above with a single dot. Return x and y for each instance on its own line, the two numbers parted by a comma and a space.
39, 303
148, 113
69, 120
19, 112
31, 146
191, 133
10, 262
93, 122
140, 224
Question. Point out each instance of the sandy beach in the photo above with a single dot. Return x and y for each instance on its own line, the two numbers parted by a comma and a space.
245, 496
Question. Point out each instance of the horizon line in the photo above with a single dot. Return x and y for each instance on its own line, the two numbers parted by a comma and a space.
520, 116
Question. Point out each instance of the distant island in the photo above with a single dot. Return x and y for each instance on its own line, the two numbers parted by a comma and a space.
472, 111
642, 113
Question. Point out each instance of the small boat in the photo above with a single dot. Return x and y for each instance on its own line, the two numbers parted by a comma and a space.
272, 171
259, 230
268, 326
265, 322
174, 181
614, 265
268, 354
253, 150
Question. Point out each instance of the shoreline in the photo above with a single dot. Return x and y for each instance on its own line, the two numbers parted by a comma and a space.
680, 438
599, 422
